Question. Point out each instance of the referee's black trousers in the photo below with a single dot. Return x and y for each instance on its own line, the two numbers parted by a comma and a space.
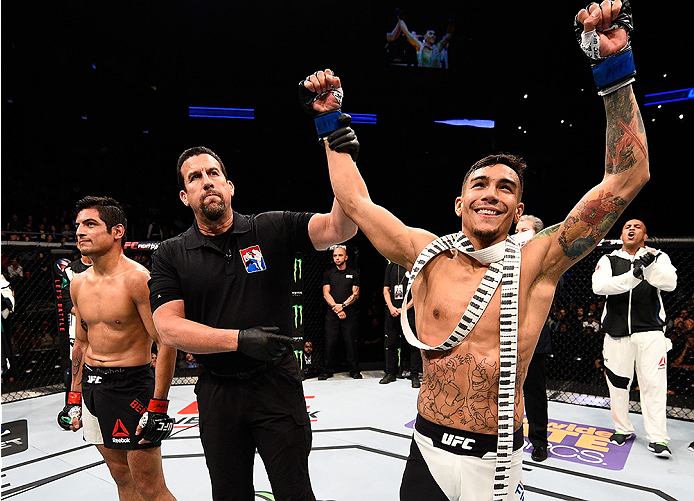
267, 412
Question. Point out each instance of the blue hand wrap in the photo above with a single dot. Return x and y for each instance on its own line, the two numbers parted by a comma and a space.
327, 123
614, 69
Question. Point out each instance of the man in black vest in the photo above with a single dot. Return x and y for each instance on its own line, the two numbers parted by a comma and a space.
633, 321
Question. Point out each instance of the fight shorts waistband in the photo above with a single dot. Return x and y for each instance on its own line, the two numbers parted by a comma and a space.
113, 372
462, 442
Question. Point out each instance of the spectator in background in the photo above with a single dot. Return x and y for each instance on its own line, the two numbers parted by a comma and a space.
29, 225
591, 324
4, 259
181, 362
593, 310
14, 224
68, 234
154, 231
684, 323
309, 362
682, 326
190, 361
15, 270
577, 324
557, 320
681, 374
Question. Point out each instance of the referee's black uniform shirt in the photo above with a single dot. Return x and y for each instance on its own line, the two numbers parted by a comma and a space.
236, 281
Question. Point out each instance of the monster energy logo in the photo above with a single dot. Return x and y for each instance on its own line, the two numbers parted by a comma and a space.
298, 315
297, 268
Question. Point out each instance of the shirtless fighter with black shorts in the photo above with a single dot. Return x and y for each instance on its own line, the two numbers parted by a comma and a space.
114, 396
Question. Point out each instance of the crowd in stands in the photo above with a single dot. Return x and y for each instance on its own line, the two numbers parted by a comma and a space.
61, 228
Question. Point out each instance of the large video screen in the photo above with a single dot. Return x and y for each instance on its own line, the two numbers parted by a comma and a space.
417, 38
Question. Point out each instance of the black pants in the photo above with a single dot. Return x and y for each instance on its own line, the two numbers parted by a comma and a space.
535, 393
411, 357
346, 330
267, 412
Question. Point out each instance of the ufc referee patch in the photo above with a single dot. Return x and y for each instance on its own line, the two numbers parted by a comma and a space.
252, 259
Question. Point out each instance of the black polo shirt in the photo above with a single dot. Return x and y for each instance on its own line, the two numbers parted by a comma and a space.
341, 282
246, 283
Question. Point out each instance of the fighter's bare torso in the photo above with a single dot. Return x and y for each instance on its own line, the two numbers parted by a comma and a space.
461, 385
115, 333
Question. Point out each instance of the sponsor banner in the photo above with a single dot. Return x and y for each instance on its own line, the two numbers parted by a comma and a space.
584, 444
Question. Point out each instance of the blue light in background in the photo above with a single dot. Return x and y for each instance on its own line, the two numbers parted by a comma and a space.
668, 97
363, 118
208, 112
484, 124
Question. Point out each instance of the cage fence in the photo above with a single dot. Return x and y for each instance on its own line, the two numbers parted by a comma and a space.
38, 327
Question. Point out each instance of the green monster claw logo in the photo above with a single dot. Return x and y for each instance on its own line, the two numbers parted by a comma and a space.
298, 315
297, 267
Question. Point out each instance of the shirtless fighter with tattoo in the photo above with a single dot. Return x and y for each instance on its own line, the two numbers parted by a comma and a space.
114, 396
480, 301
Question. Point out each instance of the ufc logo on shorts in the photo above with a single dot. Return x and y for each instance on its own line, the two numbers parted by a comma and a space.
455, 440
93, 379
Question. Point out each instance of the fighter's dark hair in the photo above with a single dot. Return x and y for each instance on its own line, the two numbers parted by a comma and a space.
110, 211
194, 152
516, 163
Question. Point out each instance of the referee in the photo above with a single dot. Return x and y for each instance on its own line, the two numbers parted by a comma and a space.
211, 287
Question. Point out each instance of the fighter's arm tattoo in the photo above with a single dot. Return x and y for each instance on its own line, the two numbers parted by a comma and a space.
626, 135
77, 365
77, 357
625, 149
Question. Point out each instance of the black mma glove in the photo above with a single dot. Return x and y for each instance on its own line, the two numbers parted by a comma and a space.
641, 263
73, 409
326, 122
263, 343
344, 139
155, 423
617, 70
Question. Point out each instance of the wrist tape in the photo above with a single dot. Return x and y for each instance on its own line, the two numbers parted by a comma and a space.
614, 73
74, 398
157, 405
327, 122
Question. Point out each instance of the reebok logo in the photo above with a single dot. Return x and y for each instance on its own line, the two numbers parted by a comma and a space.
662, 364
94, 379
120, 440
455, 440
119, 430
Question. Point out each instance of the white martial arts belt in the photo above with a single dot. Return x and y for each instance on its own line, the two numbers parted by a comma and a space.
504, 261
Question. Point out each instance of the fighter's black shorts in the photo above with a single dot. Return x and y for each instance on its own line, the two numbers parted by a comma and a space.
114, 399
